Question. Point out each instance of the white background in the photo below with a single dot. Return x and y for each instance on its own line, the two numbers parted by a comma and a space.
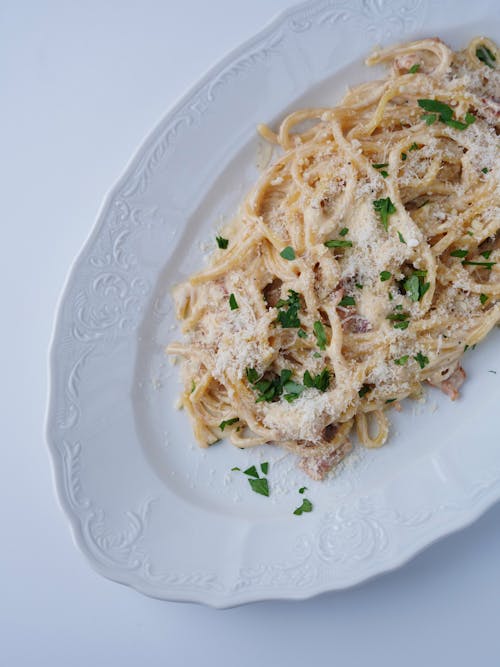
81, 84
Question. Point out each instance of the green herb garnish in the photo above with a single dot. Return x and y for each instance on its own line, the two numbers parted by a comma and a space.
400, 318
402, 360
421, 360
343, 231
288, 318
320, 381
486, 254
251, 472
364, 390
293, 390
302, 489
415, 287
403, 156
288, 253
228, 422
305, 507
414, 146
319, 332
338, 243
414, 68
483, 298
222, 243
459, 253
486, 56
359, 286
232, 302
445, 114
264, 467
486, 265
384, 207
401, 238
259, 486
485, 170
301, 333
347, 301
385, 275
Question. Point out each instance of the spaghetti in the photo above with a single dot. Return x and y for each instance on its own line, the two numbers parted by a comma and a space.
363, 263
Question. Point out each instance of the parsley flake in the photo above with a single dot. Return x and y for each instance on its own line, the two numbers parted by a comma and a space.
288, 318
288, 253
414, 285
445, 114
343, 231
264, 467
251, 472
486, 265
259, 486
305, 507
459, 253
486, 56
338, 243
347, 301
414, 146
485, 170
233, 304
486, 254
402, 360
221, 242
301, 333
384, 207
421, 359
403, 156
321, 382
319, 332
385, 275
401, 238
414, 68
483, 298
228, 422
399, 318
302, 489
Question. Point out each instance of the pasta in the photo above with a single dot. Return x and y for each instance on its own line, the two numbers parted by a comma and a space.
364, 262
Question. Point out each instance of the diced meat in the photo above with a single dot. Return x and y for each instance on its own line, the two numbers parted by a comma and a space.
452, 384
272, 292
317, 466
356, 324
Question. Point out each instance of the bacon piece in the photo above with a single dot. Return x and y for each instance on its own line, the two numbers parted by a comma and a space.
317, 466
452, 384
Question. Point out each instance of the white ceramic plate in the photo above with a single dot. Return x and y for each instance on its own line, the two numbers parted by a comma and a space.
148, 507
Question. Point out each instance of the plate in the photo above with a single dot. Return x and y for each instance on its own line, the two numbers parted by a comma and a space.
147, 506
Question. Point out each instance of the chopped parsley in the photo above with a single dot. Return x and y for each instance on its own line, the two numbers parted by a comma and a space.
486, 265
302, 489
399, 318
443, 112
385, 275
347, 301
338, 243
391, 400
486, 254
359, 286
316, 355
459, 253
268, 390
288, 253
343, 231
403, 156
228, 422
320, 381
483, 298
301, 333
293, 390
319, 332
264, 467
251, 472
288, 318
222, 243
193, 386
401, 238
233, 304
380, 166
414, 146
421, 360
364, 390
236, 468
415, 285
305, 507
486, 56
485, 170
402, 360
259, 486
414, 68
384, 207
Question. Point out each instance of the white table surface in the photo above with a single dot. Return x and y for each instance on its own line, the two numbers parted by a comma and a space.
82, 83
